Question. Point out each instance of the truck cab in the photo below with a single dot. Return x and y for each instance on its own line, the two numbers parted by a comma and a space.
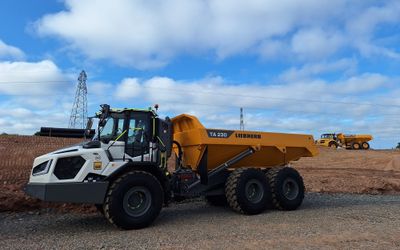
328, 140
125, 138
133, 135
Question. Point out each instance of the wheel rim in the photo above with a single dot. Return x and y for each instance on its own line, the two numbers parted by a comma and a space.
137, 201
254, 191
290, 189
356, 146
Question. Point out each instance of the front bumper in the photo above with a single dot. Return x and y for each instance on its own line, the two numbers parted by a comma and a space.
81, 192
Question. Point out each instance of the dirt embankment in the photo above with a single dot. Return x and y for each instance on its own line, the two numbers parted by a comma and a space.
16, 157
352, 171
347, 171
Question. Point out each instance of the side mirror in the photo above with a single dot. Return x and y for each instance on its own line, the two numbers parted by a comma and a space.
102, 122
88, 128
105, 112
88, 133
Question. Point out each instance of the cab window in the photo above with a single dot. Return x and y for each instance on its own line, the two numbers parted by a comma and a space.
139, 134
119, 129
138, 130
107, 131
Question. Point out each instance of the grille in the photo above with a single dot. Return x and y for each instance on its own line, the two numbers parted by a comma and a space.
68, 168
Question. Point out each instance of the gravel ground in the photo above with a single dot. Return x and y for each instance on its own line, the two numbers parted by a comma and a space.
328, 221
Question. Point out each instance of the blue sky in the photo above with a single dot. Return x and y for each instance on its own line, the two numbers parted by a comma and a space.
302, 67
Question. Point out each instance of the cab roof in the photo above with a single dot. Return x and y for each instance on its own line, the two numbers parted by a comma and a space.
120, 110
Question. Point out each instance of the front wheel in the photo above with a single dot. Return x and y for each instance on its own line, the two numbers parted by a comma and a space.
134, 200
333, 145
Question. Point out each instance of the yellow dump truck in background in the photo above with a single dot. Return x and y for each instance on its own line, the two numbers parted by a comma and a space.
345, 141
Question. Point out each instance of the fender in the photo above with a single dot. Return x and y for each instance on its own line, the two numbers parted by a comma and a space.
162, 176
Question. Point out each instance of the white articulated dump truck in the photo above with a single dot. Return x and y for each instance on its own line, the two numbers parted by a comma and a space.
123, 170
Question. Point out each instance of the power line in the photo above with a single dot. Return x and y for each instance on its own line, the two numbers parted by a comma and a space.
274, 98
272, 109
31, 82
275, 110
250, 96
237, 95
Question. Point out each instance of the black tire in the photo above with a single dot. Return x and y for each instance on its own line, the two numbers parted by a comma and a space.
134, 200
247, 191
333, 144
217, 200
365, 145
355, 146
287, 188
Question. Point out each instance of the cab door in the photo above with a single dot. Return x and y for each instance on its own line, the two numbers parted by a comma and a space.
139, 136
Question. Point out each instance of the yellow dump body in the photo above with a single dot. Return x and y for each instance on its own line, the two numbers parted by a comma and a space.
348, 139
272, 149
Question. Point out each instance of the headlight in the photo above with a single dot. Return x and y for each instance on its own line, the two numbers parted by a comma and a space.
42, 168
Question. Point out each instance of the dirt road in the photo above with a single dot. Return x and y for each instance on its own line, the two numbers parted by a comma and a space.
324, 221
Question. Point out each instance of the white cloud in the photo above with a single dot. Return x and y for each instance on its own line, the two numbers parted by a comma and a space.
99, 93
10, 52
31, 122
361, 28
209, 97
272, 49
32, 78
129, 88
364, 83
347, 66
16, 112
309, 106
33, 94
364, 23
99, 88
303, 106
146, 34
316, 43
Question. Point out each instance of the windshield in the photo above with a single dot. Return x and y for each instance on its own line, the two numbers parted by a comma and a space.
111, 130
326, 136
106, 132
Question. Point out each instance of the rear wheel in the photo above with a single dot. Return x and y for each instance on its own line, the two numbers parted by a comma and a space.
365, 145
134, 200
247, 191
287, 188
355, 146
